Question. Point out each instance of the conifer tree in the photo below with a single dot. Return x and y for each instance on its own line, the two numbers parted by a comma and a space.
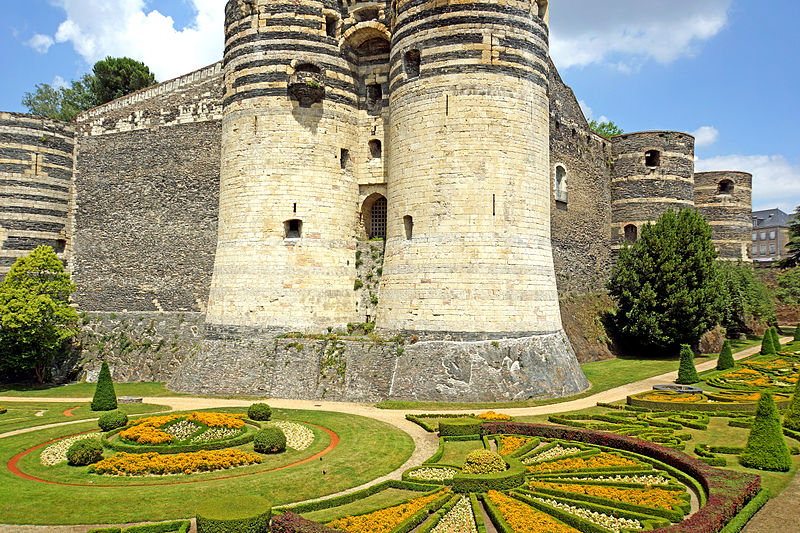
791, 419
766, 344
766, 448
725, 360
687, 373
797, 332
776, 339
105, 398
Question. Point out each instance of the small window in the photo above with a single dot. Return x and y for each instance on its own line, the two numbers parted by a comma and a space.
763, 235
755, 249
755, 236
560, 184
631, 233
293, 228
367, 14
725, 187
772, 234
413, 59
763, 249
772, 249
374, 96
61, 245
652, 158
344, 158
375, 149
408, 222
331, 25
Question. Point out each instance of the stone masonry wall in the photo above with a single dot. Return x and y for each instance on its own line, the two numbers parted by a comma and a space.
726, 200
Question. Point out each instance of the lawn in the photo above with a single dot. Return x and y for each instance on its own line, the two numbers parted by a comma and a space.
84, 390
22, 415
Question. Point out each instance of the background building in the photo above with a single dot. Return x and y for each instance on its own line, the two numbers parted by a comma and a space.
770, 235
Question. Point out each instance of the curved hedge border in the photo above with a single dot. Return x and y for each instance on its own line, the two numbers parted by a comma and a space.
179, 526
460, 427
187, 448
218, 520
727, 492
738, 523
733, 407
423, 488
419, 419
507, 480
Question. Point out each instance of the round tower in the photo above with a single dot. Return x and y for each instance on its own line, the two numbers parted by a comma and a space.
288, 196
653, 172
726, 200
468, 236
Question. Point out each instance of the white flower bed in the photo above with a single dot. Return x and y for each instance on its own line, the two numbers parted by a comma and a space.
218, 433
182, 430
552, 453
56, 453
433, 474
298, 436
603, 520
459, 520
643, 480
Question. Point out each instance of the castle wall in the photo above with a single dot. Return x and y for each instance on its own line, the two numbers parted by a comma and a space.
36, 162
147, 189
726, 199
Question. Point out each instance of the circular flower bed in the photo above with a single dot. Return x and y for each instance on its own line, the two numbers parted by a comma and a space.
728, 401
156, 464
56, 453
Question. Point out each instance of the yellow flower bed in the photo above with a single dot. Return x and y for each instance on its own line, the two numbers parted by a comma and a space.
141, 464
601, 460
385, 519
525, 519
667, 396
510, 444
648, 497
491, 415
147, 430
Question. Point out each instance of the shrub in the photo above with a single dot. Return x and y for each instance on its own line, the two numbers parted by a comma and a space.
259, 411
725, 360
776, 339
687, 373
766, 448
243, 514
292, 523
766, 344
459, 426
797, 332
271, 439
105, 398
791, 419
112, 420
483, 462
747, 300
85, 452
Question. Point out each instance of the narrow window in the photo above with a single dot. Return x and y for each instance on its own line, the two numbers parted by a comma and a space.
631, 233
293, 228
412, 61
366, 14
374, 96
408, 222
375, 149
61, 244
344, 158
725, 187
652, 158
560, 184
331, 25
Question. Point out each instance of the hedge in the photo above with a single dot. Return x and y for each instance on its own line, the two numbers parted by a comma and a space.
111, 420
791, 420
744, 516
243, 514
259, 411
476, 512
496, 516
120, 446
84, 452
776, 340
179, 526
766, 344
797, 332
419, 420
509, 479
358, 495
269, 439
712, 409
726, 492
105, 398
459, 427
438, 515
292, 523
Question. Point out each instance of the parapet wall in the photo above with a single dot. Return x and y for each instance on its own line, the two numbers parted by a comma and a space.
36, 161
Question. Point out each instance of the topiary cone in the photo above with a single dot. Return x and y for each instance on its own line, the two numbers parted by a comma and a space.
791, 419
725, 360
776, 339
687, 373
767, 347
105, 398
766, 448
797, 332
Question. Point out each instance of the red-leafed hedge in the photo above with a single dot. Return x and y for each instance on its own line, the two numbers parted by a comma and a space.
293, 523
728, 492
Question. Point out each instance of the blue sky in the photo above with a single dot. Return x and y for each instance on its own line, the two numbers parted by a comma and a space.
726, 70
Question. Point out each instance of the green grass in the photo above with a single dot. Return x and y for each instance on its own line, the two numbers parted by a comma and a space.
84, 390
368, 449
385, 498
456, 451
22, 415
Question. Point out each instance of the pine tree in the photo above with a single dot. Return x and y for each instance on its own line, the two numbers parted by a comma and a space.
766, 344
105, 398
791, 419
776, 339
766, 448
725, 360
687, 373
797, 332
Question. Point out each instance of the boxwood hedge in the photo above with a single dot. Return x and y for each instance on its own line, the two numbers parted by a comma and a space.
243, 514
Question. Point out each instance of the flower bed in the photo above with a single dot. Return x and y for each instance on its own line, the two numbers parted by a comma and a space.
728, 401
431, 474
387, 519
492, 416
298, 436
56, 453
459, 519
523, 518
599, 462
648, 497
609, 522
774, 374
141, 464
510, 444
172, 428
551, 453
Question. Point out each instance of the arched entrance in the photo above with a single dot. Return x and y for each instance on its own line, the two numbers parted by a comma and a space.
373, 213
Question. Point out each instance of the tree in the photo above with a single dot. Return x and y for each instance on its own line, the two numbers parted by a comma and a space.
606, 129
793, 247
687, 373
791, 419
105, 397
667, 285
114, 77
725, 360
788, 290
766, 448
36, 320
61, 103
767, 348
746, 299
776, 340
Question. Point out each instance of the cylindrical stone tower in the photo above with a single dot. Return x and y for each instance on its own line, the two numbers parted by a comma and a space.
653, 172
726, 200
288, 198
468, 240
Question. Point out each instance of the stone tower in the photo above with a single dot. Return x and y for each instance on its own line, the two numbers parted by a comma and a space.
468, 238
726, 199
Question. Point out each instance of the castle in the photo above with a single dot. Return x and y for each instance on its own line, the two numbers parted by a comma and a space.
250, 193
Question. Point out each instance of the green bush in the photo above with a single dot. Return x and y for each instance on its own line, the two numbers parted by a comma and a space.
259, 411
725, 360
687, 373
797, 332
112, 420
271, 439
483, 462
767, 348
776, 339
105, 398
505, 480
791, 419
459, 426
766, 448
747, 300
85, 452
243, 514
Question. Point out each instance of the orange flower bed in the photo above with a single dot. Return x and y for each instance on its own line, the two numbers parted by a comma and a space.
648, 497
491, 415
386, 519
141, 464
674, 397
601, 460
510, 444
147, 430
525, 519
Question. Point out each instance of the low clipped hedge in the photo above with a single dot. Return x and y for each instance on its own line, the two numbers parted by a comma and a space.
438, 515
84, 452
509, 479
741, 519
292, 523
111, 420
259, 411
420, 420
459, 427
243, 514
476, 512
337, 501
178, 526
120, 446
407, 474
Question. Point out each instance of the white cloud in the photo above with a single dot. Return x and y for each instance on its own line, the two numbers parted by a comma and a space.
705, 135
41, 43
99, 28
588, 112
624, 34
776, 182
59, 83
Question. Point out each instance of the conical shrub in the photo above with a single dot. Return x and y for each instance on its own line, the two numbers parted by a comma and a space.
767, 348
687, 373
776, 339
105, 398
725, 360
791, 419
797, 332
766, 448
